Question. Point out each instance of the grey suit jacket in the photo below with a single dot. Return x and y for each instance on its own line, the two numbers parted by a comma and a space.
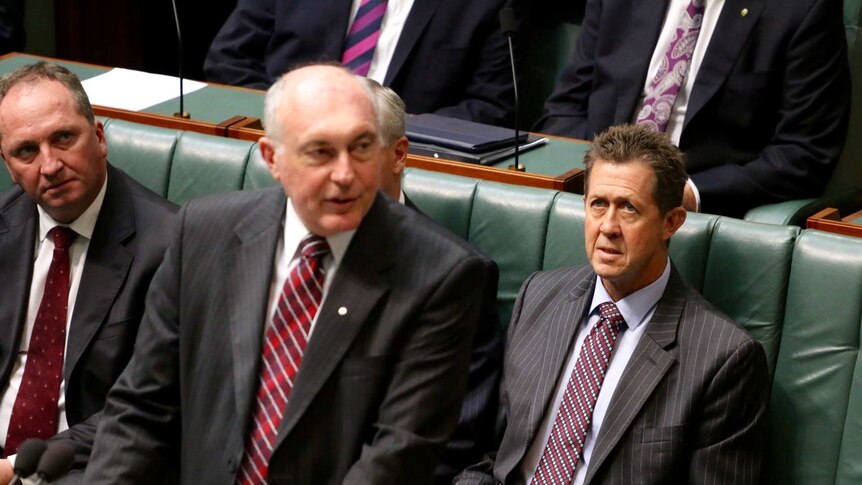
689, 407
380, 384
130, 237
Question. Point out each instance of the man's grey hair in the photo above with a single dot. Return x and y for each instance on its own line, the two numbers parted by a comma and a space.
390, 110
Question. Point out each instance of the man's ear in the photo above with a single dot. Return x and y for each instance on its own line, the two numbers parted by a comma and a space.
401, 147
672, 221
267, 150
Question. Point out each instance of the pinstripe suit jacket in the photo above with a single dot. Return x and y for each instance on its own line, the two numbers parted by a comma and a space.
689, 407
381, 380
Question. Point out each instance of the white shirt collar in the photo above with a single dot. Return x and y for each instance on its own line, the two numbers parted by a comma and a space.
295, 231
635, 307
84, 225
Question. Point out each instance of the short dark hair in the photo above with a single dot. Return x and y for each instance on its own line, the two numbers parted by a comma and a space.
48, 70
637, 143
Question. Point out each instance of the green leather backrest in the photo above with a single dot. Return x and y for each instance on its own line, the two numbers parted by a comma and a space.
257, 174
142, 151
445, 198
509, 224
204, 164
817, 388
5, 179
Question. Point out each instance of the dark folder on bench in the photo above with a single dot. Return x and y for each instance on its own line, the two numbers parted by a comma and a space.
468, 136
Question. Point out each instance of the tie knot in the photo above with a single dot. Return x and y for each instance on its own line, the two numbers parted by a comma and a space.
611, 314
313, 246
62, 237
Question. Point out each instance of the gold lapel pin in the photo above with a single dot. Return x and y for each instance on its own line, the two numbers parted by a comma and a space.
744, 12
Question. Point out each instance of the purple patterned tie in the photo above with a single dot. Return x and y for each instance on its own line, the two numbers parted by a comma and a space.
362, 38
663, 89
34, 414
569, 433
284, 345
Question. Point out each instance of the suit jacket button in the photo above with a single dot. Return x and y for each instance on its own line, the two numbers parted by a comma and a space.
231, 465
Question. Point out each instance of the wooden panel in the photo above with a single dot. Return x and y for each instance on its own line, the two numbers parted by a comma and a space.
830, 221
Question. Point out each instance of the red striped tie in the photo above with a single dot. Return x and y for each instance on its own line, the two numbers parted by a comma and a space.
569, 433
283, 347
362, 39
34, 414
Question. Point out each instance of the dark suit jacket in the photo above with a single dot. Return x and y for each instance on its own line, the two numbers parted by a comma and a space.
380, 385
768, 111
451, 57
130, 237
689, 407
474, 435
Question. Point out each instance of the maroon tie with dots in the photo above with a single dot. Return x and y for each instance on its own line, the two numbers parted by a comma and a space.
569, 434
34, 414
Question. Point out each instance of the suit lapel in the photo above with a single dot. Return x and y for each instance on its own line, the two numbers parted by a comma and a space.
635, 46
248, 273
730, 35
18, 223
105, 270
648, 365
418, 18
354, 292
557, 338
563, 329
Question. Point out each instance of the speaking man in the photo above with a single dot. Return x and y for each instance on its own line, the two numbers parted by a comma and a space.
315, 333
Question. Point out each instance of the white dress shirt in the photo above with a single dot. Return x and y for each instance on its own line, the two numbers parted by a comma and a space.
44, 252
636, 309
294, 232
390, 31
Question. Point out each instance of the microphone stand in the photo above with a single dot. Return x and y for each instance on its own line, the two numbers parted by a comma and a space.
507, 27
182, 113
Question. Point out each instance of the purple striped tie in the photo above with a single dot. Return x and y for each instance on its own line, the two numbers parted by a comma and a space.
662, 90
362, 38
569, 433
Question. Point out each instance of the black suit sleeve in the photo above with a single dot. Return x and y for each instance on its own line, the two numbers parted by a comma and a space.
811, 123
482, 472
566, 109
729, 435
431, 371
140, 426
474, 435
237, 54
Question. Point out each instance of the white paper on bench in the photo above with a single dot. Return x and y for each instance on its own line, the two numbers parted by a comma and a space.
135, 90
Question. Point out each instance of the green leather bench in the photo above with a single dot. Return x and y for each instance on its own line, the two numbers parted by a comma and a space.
798, 292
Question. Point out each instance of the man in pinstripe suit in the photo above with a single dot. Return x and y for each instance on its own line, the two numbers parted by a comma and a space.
671, 392
378, 388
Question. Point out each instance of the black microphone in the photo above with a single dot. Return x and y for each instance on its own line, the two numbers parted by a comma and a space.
507, 26
182, 113
55, 462
27, 458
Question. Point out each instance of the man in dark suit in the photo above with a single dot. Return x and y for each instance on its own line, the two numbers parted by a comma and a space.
322, 337
763, 105
475, 431
618, 372
55, 152
443, 56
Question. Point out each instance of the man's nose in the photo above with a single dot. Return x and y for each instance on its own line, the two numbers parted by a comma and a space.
50, 163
